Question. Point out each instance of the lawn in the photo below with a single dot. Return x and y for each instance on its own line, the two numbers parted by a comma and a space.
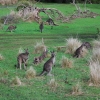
26, 36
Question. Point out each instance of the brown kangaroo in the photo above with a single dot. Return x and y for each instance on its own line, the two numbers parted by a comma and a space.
78, 51
22, 58
11, 28
47, 68
40, 58
41, 27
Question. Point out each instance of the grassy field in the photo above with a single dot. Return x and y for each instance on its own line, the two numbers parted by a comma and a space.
26, 36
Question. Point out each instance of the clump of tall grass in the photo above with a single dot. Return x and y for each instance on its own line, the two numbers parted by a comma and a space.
1, 57
94, 73
16, 81
66, 63
94, 65
40, 47
72, 44
96, 44
30, 73
20, 50
77, 90
52, 84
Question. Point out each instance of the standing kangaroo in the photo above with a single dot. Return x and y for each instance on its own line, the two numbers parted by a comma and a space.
41, 27
47, 68
40, 58
78, 51
22, 58
11, 28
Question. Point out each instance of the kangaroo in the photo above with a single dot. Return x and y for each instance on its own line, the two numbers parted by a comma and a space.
87, 45
78, 51
47, 68
11, 28
41, 27
40, 58
22, 58
51, 22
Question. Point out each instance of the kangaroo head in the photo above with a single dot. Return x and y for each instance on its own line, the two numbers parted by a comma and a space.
53, 54
26, 51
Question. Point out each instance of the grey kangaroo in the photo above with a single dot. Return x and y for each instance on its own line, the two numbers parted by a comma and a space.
40, 58
51, 22
11, 28
47, 68
41, 27
78, 51
22, 58
87, 45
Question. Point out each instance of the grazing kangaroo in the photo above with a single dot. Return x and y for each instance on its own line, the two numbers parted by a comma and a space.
51, 22
87, 45
47, 68
40, 58
78, 51
22, 58
11, 28
41, 27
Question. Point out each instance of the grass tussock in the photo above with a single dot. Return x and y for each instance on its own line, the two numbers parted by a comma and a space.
96, 54
94, 73
76, 90
96, 44
66, 63
1, 57
16, 82
20, 50
72, 44
53, 84
30, 73
39, 47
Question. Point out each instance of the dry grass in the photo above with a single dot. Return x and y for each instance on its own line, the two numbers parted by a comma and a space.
94, 73
53, 84
76, 90
96, 44
1, 57
16, 81
72, 44
30, 73
96, 54
40, 47
20, 50
66, 63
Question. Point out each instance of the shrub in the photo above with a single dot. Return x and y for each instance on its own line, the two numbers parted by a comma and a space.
72, 44
30, 73
66, 63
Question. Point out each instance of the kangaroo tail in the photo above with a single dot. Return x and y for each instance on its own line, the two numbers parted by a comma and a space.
42, 73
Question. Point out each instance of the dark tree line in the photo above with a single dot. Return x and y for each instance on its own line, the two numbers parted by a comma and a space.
69, 1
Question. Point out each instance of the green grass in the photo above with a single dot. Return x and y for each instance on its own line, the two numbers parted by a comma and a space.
25, 36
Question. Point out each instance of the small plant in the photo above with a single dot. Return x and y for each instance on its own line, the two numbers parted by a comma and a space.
30, 73
76, 90
72, 44
20, 50
39, 47
94, 73
53, 84
96, 44
16, 81
1, 57
66, 63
